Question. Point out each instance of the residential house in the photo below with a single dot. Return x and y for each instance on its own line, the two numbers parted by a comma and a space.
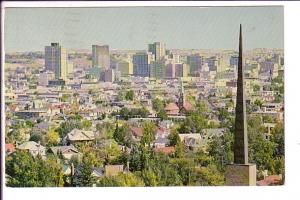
77, 135
113, 170
66, 151
33, 148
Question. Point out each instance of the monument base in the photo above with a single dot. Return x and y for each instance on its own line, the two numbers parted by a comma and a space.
240, 175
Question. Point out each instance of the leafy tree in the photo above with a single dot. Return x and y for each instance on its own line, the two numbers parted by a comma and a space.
258, 103
148, 133
129, 95
83, 176
106, 130
68, 126
86, 124
193, 124
158, 105
174, 137
150, 178
52, 138
277, 136
221, 149
27, 171
209, 176
261, 151
123, 135
121, 180
162, 115
37, 137
256, 88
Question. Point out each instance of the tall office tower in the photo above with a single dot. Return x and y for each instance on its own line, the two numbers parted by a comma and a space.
234, 61
56, 60
181, 70
170, 70
125, 67
212, 63
100, 56
158, 49
141, 64
158, 69
195, 62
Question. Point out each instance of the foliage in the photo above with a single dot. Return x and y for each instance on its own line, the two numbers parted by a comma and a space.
256, 88
86, 124
123, 135
129, 95
83, 176
106, 130
27, 171
52, 138
193, 124
149, 129
121, 180
209, 176
140, 112
221, 149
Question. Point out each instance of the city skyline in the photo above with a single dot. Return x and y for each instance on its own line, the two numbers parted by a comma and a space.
134, 28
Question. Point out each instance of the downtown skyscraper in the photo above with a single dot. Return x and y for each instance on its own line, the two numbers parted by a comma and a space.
100, 56
158, 49
56, 60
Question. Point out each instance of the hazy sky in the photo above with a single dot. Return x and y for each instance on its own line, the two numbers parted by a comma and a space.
30, 29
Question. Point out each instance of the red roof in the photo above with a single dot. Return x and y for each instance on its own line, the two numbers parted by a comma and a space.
137, 131
9, 147
171, 107
167, 150
188, 106
270, 180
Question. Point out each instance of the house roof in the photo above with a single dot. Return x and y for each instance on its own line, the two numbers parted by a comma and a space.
63, 149
166, 150
171, 107
188, 106
270, 180
30, 145
9, 147
80, 135
137, 131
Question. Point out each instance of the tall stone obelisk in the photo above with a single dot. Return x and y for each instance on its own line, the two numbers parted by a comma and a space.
240, 172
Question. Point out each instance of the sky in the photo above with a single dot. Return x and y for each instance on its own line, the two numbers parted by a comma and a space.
30, 29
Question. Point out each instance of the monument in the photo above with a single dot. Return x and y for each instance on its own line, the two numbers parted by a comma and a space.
240, 173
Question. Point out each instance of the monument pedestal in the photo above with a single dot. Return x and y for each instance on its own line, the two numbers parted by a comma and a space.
240, 175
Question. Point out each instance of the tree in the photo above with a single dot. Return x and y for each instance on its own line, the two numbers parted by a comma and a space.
148, 133
67, 127
258, 103
129, 95
37, 137
193, 124
106, 130
174, 137
86, 124
256, 88
123, 135
121, 180
277, 136
209, 176
28, 171
52, 138
162, 115
158, 105
83, 176
221, 149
